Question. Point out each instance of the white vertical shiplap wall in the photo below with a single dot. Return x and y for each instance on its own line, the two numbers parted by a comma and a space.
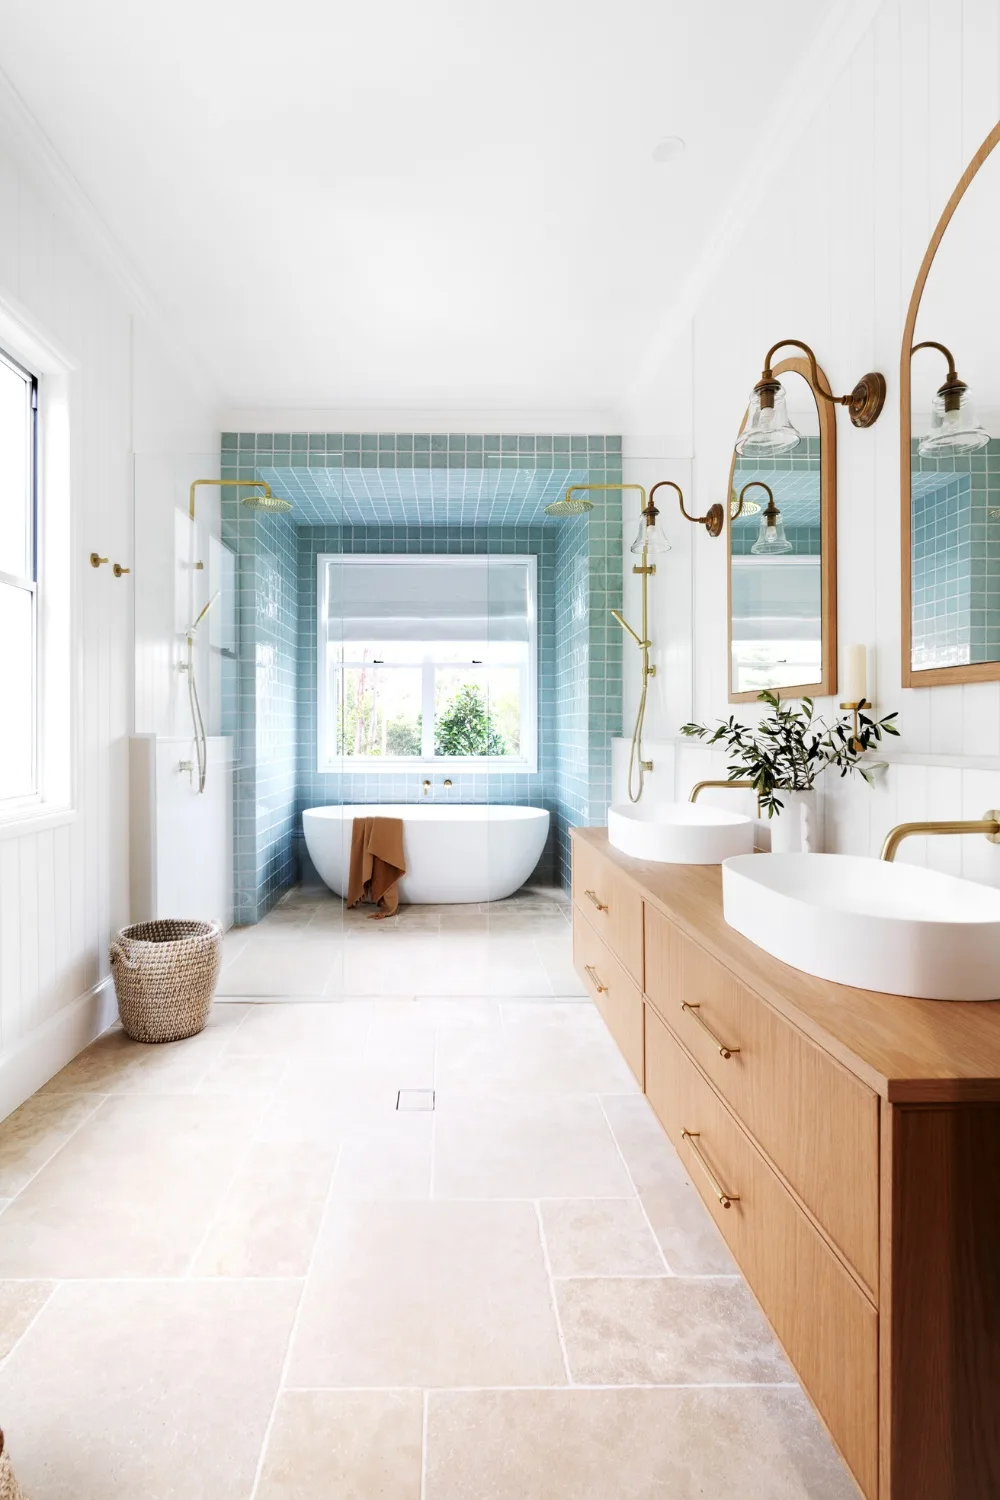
64, 889
830, 257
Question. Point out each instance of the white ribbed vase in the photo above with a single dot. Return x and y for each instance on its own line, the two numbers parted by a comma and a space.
797, 828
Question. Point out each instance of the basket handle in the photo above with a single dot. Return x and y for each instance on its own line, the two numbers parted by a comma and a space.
117, 954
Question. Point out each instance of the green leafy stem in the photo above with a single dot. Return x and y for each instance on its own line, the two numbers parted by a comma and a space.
790, 747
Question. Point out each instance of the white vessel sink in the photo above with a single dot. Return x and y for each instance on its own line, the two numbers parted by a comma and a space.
865, 922
679, 833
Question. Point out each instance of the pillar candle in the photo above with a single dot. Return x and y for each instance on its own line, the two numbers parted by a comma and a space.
856, 674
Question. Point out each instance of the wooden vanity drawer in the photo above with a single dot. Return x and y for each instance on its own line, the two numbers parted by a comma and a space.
611, 904
828, 1327
616, 996
815, 1120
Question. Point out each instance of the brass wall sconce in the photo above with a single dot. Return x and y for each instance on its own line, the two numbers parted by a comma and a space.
771, 539
712, 520
769, 430
953, 423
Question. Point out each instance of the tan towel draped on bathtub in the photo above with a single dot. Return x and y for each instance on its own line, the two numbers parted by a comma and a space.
376, 863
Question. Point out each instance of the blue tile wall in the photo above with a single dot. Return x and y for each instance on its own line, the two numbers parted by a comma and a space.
372, 481
265, 851
956, 557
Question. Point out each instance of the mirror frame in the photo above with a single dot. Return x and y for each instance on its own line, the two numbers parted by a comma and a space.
827, 684
982, 671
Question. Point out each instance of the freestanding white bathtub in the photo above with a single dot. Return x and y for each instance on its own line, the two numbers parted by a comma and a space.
463, 852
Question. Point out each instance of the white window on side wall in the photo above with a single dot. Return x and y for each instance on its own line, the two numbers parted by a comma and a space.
427, 661
18, 583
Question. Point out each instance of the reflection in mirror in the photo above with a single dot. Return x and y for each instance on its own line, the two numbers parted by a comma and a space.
776, 560
954, 444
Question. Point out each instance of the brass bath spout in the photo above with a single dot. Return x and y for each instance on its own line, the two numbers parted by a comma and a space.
988, 824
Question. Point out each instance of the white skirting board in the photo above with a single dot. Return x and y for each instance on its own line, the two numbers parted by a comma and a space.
38, 1056
181, 841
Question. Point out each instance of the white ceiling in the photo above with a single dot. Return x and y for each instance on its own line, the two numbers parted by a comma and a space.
447, 204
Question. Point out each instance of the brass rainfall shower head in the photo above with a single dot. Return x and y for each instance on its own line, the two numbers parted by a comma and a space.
265, 501
272, 503
569, 507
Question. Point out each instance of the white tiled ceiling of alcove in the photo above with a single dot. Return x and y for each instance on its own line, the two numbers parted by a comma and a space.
420, 497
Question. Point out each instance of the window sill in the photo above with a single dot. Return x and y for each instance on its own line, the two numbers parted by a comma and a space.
39, 818
473, 766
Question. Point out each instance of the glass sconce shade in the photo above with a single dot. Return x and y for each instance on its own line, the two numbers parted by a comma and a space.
954, 428
650, 538
771, 539
768, 430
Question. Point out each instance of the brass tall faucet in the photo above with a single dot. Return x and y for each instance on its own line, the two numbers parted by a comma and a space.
988, 824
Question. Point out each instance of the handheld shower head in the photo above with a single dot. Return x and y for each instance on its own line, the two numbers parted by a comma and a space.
192, 628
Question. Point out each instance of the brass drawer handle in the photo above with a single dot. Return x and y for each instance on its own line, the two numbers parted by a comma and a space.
724, 1051
726, 1199
589, 969
599, 904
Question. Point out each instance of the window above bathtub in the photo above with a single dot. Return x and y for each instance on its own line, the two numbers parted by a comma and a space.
427, 661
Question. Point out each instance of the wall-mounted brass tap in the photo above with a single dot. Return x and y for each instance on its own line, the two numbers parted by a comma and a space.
988, 824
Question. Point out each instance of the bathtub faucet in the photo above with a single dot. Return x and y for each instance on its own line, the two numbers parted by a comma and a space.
428, 787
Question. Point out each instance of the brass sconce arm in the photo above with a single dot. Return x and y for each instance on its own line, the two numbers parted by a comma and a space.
953, 387
753, 483
713, 518
864, 402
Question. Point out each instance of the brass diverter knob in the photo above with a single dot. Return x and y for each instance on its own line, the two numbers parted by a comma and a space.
119, 571
96, 560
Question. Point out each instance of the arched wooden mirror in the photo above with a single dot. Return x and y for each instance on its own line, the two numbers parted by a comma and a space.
950, 441
783, 604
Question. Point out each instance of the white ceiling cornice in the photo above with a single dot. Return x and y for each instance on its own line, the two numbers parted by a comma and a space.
35, 154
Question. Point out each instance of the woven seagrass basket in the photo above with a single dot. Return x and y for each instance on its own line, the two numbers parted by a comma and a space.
9, 1487
165, 973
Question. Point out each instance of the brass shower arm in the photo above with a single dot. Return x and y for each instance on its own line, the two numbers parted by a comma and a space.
759, 483
257, 484
574, 487
713, 518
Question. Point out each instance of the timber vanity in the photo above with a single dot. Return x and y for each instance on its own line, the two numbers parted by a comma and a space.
847, 1144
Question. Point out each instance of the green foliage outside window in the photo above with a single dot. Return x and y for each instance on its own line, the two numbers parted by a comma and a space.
466, 726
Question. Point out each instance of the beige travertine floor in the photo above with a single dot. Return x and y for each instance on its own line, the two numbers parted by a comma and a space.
233, 1268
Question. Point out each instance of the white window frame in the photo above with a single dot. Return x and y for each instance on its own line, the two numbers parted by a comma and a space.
58, 649
395, 765
15, 806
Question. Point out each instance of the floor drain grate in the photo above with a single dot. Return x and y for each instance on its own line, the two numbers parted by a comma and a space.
415, 1099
